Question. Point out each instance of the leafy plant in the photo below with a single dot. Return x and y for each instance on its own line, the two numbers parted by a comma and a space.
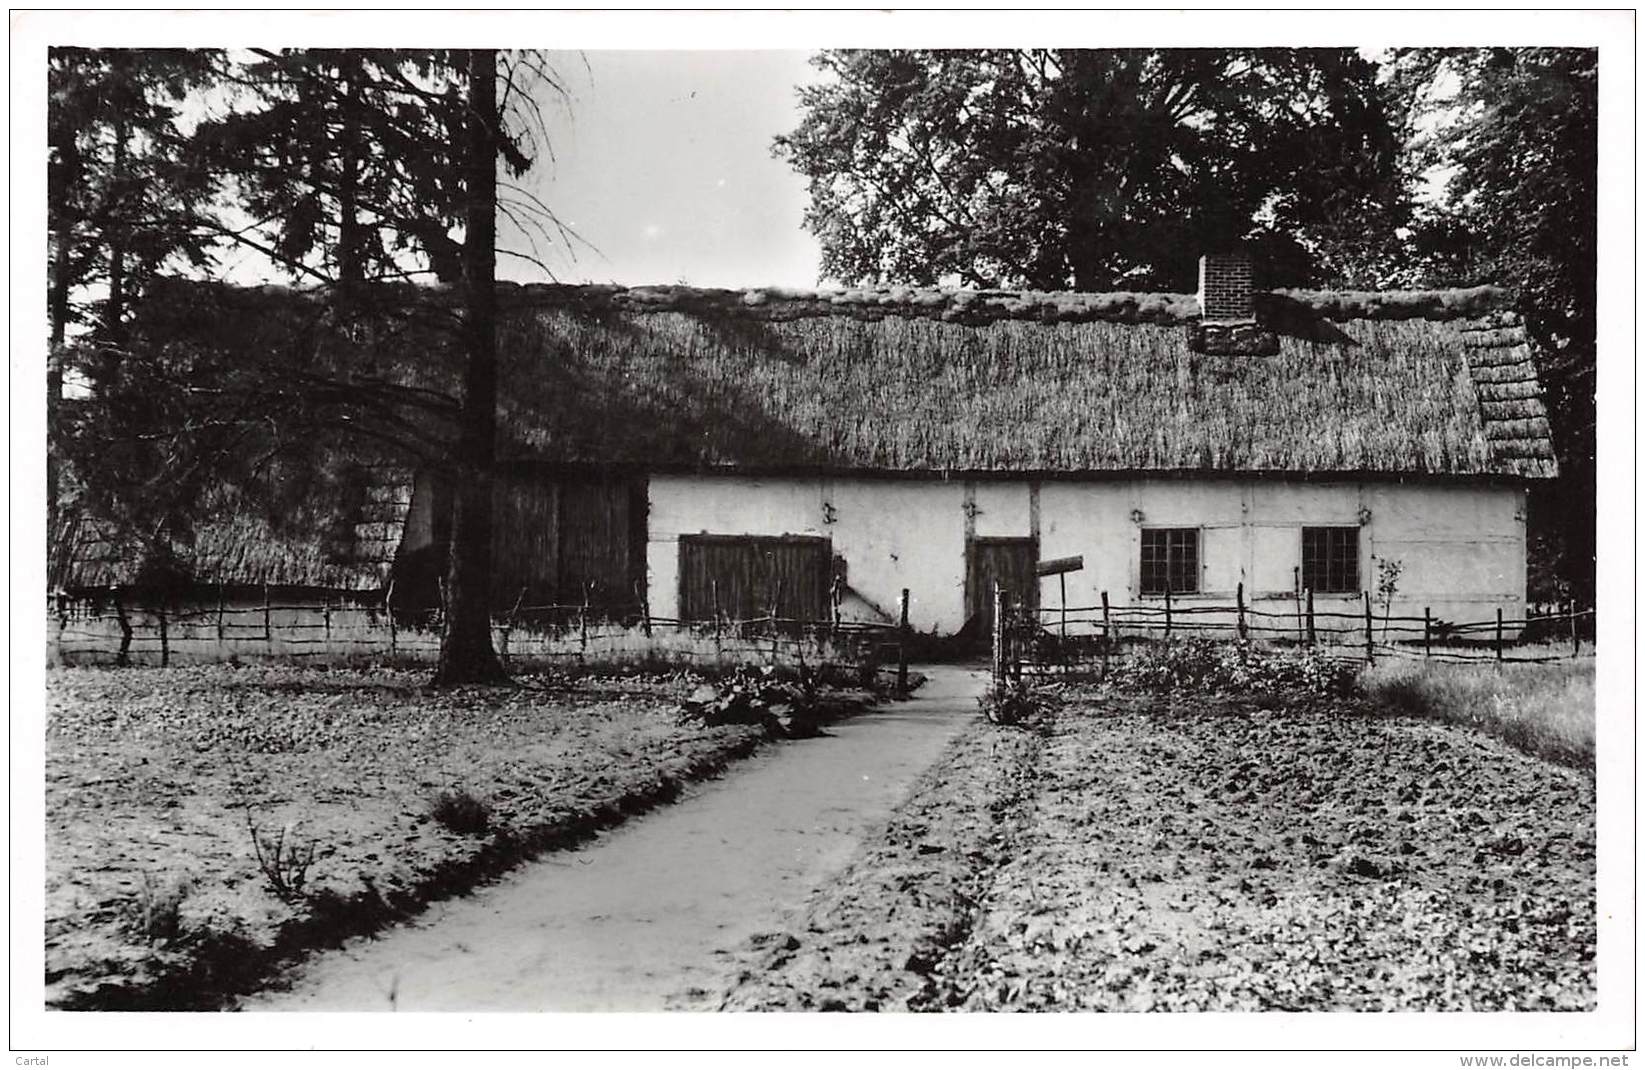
1388, 572
461, 812
757, 696
1201, 665
1013, 702
284, 862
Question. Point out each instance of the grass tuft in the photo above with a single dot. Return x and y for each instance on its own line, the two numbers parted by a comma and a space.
155, 913
461, 812
1546, 710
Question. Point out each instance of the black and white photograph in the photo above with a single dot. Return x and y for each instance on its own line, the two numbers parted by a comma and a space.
733, 516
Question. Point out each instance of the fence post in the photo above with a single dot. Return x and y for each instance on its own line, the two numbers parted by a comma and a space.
388, 607
1107, 634
776, 606
268, 626
998, 651
582, 629
1014, 639
1168, 611
165, 647
1062, 587
1427, 632
1370, 651
59, 604
642, 589
508, 626
1296, 597
1576, 641
1499, 633
902, 643
714, 598
1239, 606
221, 598
325, 609
124, 656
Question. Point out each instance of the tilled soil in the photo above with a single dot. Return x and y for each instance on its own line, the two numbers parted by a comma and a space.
154, 778
1204, 853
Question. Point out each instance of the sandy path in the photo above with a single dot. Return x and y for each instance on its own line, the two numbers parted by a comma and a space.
648, 909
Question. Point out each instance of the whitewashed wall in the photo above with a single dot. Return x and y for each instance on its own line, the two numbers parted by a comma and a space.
891, 533
1462, 547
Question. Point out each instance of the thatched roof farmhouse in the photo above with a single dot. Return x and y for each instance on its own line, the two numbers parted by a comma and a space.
670, 446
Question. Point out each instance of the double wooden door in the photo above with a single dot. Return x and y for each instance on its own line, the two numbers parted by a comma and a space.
743, 577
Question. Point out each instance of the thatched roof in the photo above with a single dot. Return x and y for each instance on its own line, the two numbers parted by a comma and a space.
891, 381
903, 380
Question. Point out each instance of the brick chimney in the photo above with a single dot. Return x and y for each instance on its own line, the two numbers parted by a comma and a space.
1228, 315
1225, 288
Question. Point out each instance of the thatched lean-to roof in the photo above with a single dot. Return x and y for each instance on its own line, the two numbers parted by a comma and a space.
241, 547
910, 380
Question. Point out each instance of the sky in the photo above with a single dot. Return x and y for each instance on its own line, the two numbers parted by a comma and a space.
663, 169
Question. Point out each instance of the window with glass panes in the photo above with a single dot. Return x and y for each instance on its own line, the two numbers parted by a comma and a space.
1330, 559
1170, 560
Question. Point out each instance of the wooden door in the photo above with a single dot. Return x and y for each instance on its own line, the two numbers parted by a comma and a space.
1009, 561
742, 577
596, 543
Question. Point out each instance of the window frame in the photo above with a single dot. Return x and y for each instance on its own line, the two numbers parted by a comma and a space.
1195, 574
1354, 582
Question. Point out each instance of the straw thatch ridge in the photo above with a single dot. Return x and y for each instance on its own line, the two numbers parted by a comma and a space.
976, 307
1471, 307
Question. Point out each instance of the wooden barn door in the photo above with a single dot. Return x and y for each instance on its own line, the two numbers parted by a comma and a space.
1011, 562
557, 541
742, 576
596, 543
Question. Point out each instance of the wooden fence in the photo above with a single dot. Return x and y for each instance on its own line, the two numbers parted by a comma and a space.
346, 627
1059, 639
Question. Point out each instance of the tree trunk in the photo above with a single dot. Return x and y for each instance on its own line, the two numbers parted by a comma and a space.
57, 311
114, 312
350, 239
466, 653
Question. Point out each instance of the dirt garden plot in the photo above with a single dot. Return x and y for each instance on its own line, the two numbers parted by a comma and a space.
155, 780
1197, 853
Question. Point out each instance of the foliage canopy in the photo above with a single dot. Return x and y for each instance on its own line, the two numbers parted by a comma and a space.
1095, 170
